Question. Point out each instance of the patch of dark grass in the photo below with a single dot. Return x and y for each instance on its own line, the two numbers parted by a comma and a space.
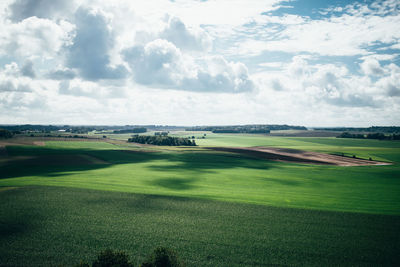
109, 258
49, 226
163, 257
175, 183
50, 162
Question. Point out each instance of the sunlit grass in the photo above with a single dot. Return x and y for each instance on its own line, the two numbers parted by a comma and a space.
221, 176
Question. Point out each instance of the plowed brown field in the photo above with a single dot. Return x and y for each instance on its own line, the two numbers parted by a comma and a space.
299, 156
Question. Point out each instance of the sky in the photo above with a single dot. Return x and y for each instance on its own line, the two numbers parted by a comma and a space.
200, 62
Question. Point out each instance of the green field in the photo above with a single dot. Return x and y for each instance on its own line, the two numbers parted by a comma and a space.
215, 209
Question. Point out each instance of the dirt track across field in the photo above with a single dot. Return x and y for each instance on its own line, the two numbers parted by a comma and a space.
39, 143
299, 156
93, 160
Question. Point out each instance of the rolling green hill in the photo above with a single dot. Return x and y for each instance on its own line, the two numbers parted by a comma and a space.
67, 200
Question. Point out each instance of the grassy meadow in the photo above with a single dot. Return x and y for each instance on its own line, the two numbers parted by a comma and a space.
67, 200
53, 226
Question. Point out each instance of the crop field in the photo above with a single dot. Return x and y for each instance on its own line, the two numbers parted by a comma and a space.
63, 201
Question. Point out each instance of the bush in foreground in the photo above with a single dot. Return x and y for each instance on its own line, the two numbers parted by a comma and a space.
160, 257
109, 258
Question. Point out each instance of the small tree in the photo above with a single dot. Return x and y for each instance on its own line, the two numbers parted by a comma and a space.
162, 257
109, 258
5, 133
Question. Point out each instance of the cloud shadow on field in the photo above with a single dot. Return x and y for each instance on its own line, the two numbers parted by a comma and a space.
53, 162
178, 171
175, 183
48, 162
209, 162
20, 220
14, 226
138, 203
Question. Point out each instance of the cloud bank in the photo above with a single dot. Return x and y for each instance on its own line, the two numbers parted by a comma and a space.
158, 61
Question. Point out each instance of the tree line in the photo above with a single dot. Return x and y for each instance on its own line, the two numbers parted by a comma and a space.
37, 128
134, 130
5, 133
252, 128
372, 129
379, 136
162, 140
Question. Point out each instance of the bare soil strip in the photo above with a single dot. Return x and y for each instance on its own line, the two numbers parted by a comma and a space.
93, 159
298, 156
39, 143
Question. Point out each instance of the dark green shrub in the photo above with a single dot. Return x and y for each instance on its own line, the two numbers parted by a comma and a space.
5, 133
162, 257
161, 140
109, 258
82, 264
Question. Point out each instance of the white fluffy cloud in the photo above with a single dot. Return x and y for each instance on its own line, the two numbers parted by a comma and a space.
19, 95
20, 103
213, 12
15, 79
79, 88
158, 62
27, 69
161, 64
345, 35
22, 9
348, 33
327, 83
390, 84
61, 74
186, 38
8, 84
35, 37
89, 53
371, 67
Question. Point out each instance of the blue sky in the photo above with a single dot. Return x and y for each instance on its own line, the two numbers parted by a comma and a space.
191, 62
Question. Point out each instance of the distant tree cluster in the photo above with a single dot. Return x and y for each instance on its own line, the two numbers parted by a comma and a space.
28, 128
254, 128
79, 129
134, 130
162, 140
240, 130
5, 133
373, 129
379, 136
62, 136
161, 133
